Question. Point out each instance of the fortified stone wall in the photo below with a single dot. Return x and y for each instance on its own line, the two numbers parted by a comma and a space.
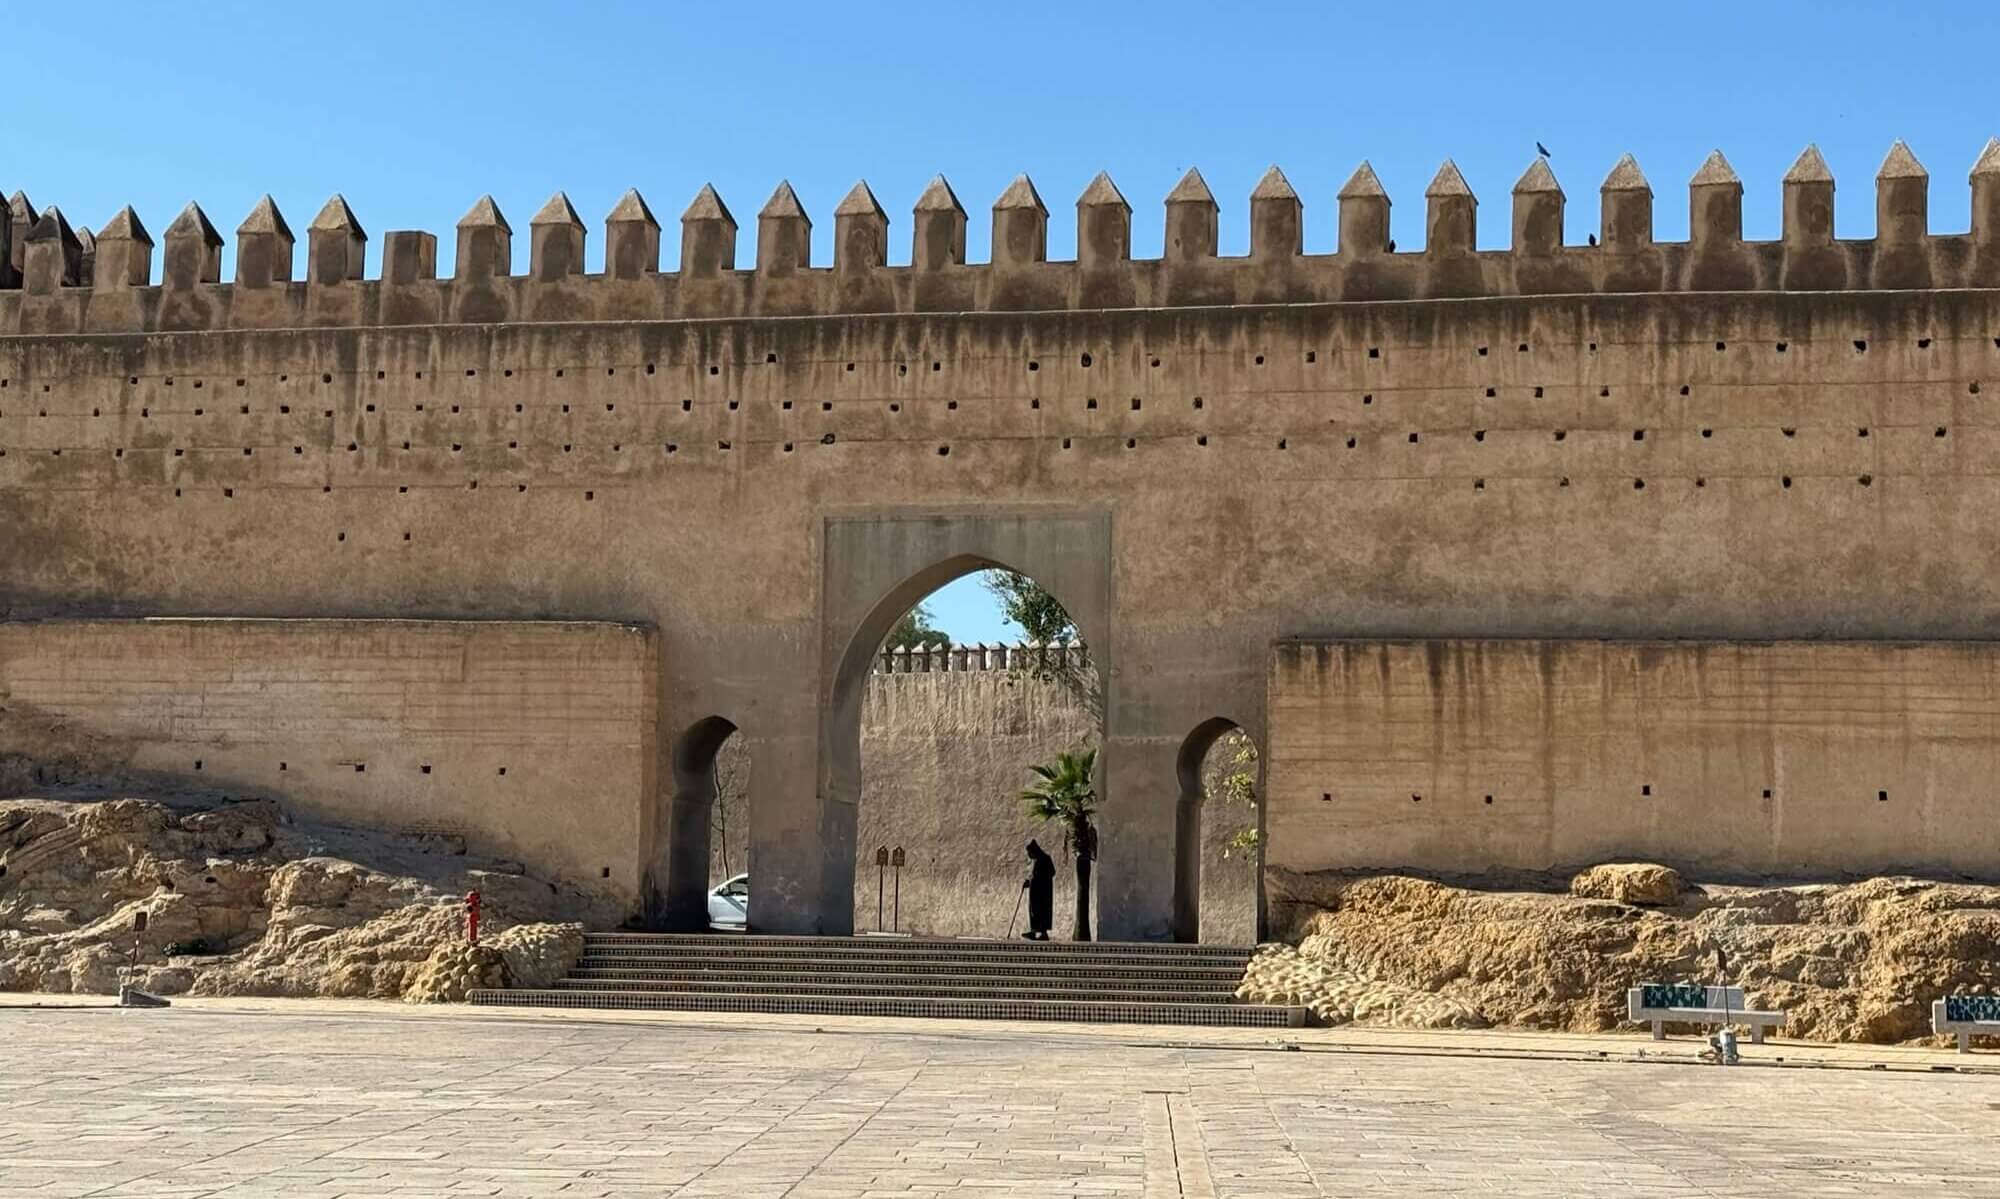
1790, 759
1713, 440
528, 741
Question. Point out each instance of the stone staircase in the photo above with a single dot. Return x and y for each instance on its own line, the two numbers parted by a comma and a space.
1115, 983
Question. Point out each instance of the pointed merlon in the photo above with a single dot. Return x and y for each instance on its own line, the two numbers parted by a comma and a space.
1988, 164
1192, 189
51, 255
193, 220
337, 217
556, 237
938, 197
707, 206
1537, 179
1627, 177
485, 214
1021, 194
126, 226
937, 228
21, 208
1901, 164
52, 226
1273, 186
861, 230
1362, 184
860, 201
265, 218
1715, 170
1448, 182
1102, 193
631, 238
1810, 168
632, 207
784, 204
336, 244
558, 211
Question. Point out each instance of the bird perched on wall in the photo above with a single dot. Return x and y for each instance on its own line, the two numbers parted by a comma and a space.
1593, 239
1542, 150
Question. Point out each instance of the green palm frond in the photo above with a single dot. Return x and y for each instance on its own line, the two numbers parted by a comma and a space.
1065, 791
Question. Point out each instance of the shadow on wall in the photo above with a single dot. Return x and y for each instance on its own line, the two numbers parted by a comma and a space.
944, 758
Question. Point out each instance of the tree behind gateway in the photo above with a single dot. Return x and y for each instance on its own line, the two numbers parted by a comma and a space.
1027, 603
915, 630
1065, 791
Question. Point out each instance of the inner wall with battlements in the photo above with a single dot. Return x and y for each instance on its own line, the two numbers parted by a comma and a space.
1717, 440
944, 757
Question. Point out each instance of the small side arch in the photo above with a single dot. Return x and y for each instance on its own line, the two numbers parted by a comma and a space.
1187, 823
683, 900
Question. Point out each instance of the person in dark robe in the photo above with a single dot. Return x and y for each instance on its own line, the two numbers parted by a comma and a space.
1041, 888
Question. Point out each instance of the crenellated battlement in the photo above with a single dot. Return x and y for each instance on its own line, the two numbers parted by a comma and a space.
56, 279
959, 659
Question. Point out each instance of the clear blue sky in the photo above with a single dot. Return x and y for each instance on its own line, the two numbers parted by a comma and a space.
413, 110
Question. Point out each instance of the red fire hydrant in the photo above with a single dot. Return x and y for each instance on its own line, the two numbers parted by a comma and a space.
472, 917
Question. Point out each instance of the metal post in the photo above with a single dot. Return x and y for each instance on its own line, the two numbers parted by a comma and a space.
138, 927
896, 860
881, 865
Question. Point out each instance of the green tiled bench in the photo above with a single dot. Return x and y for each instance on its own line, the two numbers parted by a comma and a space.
1658, 1004
1966, 1016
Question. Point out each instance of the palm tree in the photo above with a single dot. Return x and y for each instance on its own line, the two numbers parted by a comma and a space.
1064, 791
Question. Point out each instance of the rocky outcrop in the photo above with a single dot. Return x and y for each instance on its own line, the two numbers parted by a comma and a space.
539, 954
1847, 962
1280, 974
1629, 882
454, 970
240, 900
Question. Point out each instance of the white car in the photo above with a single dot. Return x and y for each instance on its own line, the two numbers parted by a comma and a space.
729, 905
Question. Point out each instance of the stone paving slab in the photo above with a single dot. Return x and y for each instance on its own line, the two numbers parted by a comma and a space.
246, 1098
1631, 1045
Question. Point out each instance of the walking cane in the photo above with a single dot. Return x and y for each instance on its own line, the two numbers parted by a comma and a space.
1018, 897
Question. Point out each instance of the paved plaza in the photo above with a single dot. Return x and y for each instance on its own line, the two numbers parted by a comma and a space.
353, 1099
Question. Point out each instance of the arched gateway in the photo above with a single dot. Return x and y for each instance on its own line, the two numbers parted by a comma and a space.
1507, 558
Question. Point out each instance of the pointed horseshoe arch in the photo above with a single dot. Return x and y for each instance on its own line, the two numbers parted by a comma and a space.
875, 568
1188, 766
